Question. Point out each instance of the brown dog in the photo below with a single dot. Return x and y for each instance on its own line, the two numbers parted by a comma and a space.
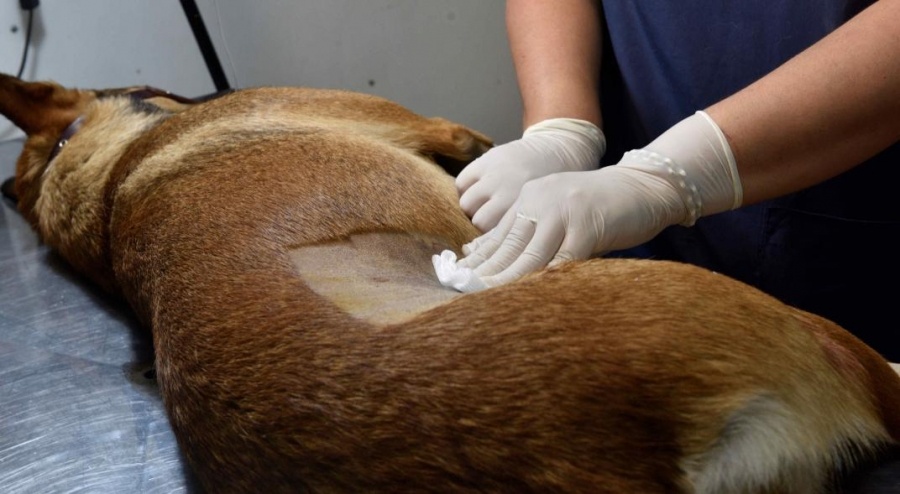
276, 241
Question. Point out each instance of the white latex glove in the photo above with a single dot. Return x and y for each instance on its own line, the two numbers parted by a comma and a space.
490, 185
687, 172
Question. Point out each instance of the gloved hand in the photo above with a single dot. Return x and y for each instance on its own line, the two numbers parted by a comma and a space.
687, 172
491, 183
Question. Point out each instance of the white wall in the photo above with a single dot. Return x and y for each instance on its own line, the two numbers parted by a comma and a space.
444, 58
104, 43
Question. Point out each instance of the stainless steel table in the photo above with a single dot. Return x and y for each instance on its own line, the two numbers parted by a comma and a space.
79, 411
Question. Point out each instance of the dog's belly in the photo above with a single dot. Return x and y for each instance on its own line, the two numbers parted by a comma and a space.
381, 278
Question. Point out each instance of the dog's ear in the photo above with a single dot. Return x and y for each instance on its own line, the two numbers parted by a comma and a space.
40, 107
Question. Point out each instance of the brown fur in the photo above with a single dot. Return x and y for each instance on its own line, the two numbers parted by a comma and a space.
601, 376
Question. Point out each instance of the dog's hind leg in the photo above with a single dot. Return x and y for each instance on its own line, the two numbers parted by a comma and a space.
452, 146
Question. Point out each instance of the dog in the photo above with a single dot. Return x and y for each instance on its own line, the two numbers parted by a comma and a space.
276, 242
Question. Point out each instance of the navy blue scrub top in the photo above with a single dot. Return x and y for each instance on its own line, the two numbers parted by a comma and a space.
833, 249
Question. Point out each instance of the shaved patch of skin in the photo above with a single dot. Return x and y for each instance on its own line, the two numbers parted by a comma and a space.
381, 278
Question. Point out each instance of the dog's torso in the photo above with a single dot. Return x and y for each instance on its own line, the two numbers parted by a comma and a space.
276, 242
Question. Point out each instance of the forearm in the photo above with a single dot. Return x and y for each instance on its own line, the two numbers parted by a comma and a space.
555, 46
823, 112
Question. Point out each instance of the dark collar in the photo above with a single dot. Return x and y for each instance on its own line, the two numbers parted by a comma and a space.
67, 134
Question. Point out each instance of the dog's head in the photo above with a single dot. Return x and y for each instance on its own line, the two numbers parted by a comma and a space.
49, 114
43, 110
59, 185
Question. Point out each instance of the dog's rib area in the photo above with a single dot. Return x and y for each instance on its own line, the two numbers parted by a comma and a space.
381, 278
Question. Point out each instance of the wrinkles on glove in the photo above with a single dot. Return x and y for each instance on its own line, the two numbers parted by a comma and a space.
569, 216
490, 262
687, 172
490, 184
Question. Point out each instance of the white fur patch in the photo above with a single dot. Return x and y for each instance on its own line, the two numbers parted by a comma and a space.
769, 443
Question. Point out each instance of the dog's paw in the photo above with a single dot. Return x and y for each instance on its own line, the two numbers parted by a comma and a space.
457, 145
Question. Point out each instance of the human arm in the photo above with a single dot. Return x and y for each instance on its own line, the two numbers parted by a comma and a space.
820, 114
555, 47
823, 112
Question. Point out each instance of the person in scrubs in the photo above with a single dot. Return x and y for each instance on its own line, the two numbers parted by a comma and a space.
758, 139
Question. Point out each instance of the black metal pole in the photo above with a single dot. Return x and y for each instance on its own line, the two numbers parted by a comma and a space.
205, 43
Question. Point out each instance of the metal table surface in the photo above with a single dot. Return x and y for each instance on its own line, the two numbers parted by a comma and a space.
79, 413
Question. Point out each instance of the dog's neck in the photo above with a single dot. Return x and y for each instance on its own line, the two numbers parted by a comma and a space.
81, 171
